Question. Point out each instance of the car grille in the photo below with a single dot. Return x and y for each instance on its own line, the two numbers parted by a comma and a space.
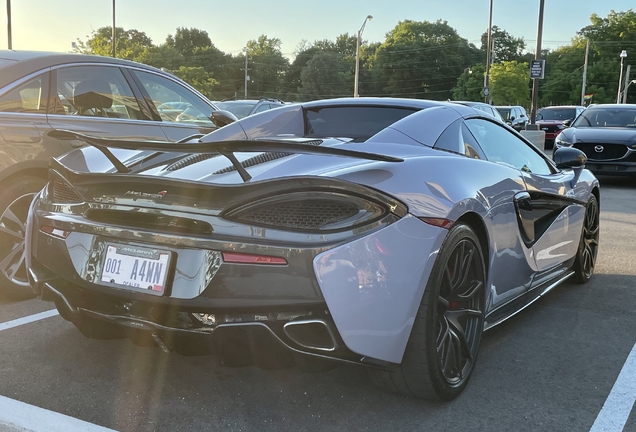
63, 193
304, 215
608, 152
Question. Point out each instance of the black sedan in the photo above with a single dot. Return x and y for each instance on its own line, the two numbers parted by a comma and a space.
607, 135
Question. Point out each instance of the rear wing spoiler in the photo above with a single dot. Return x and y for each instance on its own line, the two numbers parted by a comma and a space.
224, 148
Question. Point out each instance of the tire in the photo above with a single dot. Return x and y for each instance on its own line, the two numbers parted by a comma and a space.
588, 245
15, 199
452, 306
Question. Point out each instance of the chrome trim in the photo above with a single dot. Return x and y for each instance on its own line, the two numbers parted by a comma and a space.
544, 292
312, 321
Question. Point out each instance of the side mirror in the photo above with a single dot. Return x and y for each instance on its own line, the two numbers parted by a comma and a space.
222, 118
567, 122
569, 158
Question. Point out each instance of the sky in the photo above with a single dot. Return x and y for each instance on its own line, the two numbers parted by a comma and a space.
51, 25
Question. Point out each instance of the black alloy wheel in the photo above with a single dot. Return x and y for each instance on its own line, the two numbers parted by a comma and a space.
15, 200
588, 247
460, 312
442, 350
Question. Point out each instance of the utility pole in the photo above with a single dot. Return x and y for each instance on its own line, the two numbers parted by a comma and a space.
487, 74
247, 77
9, 42
537, 56
587, 53
114, 31
627, 82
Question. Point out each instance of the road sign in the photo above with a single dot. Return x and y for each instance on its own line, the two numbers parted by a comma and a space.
537, 69
486, 91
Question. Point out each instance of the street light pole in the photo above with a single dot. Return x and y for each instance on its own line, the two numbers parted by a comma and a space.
9, 42
357, 73
537, 56
113, 37
488, 59
620, 77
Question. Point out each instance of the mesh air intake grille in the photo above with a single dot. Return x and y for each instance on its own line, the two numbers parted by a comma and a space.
62, 193
305, 215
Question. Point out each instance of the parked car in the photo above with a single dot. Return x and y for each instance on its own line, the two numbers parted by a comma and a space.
484, 107
327, 230
607, 136
246, 107
514, 116
554, 119
97, 95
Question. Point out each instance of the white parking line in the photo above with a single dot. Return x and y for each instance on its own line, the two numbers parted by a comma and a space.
25, 417
28, 319
620, 401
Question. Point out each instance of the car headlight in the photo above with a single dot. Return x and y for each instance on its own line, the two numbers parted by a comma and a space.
561, 141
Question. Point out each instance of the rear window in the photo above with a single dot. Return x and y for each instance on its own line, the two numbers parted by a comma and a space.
356, 122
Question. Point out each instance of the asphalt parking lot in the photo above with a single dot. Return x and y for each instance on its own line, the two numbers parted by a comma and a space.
549, 368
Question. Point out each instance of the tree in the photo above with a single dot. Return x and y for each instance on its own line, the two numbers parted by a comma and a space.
326, 75
187, 40
470, 84
422, 60
198, 78
129, 44
507, 47
268, 66
509, 83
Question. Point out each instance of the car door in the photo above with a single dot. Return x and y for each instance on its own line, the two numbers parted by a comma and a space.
189, 113
98, 100
549, 218
23, 126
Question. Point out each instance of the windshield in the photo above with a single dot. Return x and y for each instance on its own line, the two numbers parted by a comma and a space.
353, 122
607, 117
239, 109
505, 113
557, 114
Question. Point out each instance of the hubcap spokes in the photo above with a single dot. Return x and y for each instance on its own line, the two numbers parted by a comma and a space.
460, 312
12, 232
590, 240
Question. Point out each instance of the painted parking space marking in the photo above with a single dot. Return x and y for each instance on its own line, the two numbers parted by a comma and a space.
28, 319
27, 417
620, 401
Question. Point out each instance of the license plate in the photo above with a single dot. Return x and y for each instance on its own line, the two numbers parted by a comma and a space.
135, 268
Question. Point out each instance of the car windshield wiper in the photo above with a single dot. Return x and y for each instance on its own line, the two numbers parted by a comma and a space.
225, 148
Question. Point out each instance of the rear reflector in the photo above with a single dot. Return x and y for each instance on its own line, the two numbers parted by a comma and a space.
56, 232
438, 222
239, 258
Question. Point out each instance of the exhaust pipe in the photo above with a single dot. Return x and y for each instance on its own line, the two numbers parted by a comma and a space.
314, 334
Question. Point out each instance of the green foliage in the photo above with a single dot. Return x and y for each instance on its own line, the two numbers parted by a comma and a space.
507, 47
198, 78
470, 84
422, 60
416, 59
129, 43
509, 83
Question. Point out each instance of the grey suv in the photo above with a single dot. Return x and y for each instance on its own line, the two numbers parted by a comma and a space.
98, 96
247, 107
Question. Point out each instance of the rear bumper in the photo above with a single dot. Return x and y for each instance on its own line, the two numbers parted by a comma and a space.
365, 292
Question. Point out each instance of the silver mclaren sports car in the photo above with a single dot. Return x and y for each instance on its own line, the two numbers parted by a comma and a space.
387, 233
